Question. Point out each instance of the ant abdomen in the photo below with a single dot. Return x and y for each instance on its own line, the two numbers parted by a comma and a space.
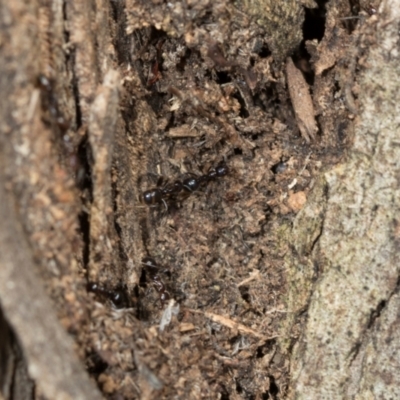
152, 196
222, 170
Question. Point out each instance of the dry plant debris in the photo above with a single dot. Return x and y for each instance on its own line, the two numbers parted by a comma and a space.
302, 101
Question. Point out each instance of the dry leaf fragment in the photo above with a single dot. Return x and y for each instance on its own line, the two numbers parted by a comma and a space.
296, 201
301, 101
186, 327
253, 275
229, 323
182, 131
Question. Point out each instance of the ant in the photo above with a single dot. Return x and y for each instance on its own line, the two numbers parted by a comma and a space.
187, 186
193, 183
217, 172
49, 99
159, 195
117, 297
152, 269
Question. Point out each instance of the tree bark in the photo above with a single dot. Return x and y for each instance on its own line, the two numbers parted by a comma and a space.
98, 98
351, 333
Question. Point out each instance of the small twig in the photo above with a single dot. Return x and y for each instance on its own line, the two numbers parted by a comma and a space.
229, 323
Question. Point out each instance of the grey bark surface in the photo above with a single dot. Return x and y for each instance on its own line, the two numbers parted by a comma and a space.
349, 348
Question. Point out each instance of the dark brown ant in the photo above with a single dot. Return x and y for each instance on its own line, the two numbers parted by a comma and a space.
159, 195
217, 172
187, 186
193, 183
156, 67
50, 102
118, 297
153, 196
153, 270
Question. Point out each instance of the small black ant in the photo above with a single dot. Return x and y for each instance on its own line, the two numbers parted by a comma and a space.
188, 185
217, 172
153, 270
47, 87
160, 195
193, 183
117, 297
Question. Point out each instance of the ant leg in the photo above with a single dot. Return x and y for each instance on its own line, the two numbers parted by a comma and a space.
161, 181
165, 204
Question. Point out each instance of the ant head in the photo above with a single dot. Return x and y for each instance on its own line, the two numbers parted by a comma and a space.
221, 170
218, 172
